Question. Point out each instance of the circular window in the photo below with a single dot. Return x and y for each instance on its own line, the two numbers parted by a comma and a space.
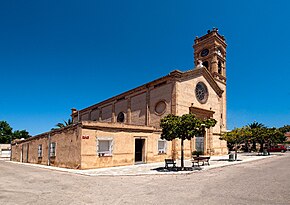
201, 92
204, 52
160, 107
121, 117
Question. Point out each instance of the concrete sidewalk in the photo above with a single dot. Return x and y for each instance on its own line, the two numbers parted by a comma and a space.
156, 168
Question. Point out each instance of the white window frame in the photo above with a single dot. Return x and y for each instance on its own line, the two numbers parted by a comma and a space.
52, 149
164, 149
39, 151
107, 152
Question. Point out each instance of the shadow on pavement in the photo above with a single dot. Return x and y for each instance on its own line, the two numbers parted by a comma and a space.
261, 154
176, 169
225, 160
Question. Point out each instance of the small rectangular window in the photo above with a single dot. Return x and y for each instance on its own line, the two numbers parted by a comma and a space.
105, 147
40, 150
52, 149
162, 144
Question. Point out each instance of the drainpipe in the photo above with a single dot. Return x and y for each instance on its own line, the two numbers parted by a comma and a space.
48, 156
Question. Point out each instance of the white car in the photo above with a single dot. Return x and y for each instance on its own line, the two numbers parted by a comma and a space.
288, 148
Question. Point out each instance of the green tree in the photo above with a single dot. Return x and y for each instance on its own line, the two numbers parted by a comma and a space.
18, 134
5, 132
284, 129
236, 137
269, 136
276, 136
255, 129
183, 127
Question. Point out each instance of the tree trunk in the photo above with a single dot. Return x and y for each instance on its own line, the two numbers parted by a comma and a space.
182, 157
262, 147
254, 148
246, 146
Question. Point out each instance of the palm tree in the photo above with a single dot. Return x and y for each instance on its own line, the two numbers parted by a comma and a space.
255, 127
63, 124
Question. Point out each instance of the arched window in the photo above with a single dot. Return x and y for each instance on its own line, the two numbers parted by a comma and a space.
121, 117
205, 64
220, 68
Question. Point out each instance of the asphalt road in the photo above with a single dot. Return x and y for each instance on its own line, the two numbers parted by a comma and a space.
259, 182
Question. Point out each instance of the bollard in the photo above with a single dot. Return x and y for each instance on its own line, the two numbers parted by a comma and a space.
265, 152
231, 157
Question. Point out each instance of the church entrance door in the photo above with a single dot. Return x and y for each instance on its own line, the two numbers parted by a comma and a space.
139, 150
199, 143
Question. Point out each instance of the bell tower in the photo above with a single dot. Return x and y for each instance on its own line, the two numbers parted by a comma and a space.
210, 49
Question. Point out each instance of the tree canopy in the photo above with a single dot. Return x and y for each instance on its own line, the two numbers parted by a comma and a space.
7, 134
237, 136
255, 133
183, 127
285, 128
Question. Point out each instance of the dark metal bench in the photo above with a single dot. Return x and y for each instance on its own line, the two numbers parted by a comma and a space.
197, 160
169, 162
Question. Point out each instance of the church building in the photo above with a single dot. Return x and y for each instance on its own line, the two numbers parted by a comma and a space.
125, 129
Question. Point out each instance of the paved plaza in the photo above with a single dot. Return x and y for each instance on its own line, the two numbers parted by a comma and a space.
157, 168
253, 180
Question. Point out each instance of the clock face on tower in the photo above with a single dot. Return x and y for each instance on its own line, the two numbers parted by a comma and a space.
204, 52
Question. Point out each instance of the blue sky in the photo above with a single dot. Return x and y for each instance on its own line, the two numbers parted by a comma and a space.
55, 55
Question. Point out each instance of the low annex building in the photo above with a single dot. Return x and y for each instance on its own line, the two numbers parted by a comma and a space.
125, 129
5, 150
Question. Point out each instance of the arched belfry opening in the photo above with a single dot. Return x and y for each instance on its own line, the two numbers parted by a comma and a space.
220, 68
205, 64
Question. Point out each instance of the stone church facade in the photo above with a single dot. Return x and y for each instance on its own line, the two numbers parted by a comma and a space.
125, 129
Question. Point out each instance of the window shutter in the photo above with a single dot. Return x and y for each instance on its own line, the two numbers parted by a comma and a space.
111, 147
97, 147
165, 146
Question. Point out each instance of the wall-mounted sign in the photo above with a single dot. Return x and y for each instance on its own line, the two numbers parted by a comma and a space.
85, 137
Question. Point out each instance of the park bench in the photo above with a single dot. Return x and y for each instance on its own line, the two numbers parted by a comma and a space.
169, 162
197, 160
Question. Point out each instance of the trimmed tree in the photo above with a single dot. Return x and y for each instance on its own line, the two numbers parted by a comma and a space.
236, 137
183, 127
269, 136
285, 128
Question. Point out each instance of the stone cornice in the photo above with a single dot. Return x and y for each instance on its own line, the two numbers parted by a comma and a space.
210, 35
118, 127
199, 112
212, 81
